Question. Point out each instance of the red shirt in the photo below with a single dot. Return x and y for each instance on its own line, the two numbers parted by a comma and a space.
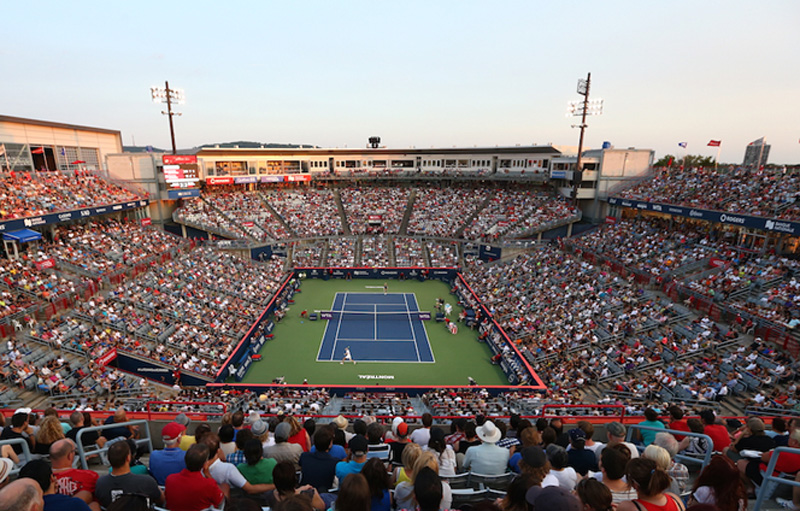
788, 462
719, 435
680, 425
191, 491
71, 481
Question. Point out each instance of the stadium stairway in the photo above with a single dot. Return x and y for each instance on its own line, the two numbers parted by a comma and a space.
342, 215
272, 210
412, 198
460, 232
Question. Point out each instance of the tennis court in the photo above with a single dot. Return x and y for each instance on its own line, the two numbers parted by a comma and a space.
375, 327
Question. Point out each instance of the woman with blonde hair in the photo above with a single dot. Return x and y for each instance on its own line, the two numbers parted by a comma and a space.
50, 431
409, 457
404, 492
298, 434
663, 460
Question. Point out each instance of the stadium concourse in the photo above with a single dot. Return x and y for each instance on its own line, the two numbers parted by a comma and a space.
639, 323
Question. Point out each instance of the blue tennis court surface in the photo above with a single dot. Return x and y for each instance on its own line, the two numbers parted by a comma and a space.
376, 328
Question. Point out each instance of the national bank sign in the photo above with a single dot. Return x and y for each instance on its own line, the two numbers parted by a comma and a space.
752, 222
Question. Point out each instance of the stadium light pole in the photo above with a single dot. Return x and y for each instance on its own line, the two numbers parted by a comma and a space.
169, 96
582, 108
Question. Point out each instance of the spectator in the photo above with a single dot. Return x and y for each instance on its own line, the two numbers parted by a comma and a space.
399, 444
226, 443
580, 458
651, 421
718, 433
650, 483
445, 455
719, 485
170, 459
787, 462
487, 458
354, 494
529, 437
534, 462
663, 461
298, 435
256, 469
187, 440
358, 457
422, 435
120, 481
285, 478
676, 421
23, 495
553, 498
39, 471
697, 446
410, 455
566, 475
70, 481
193, 488
120, 417
613, 461
429, 490
376, 447
78, 422
514, 499
751, 437
593, 446
283, 450
594, 495
319, 466
678, 472
615, 432
226, 474
20, 428
404, 492
378, 480
242, 437
50, 431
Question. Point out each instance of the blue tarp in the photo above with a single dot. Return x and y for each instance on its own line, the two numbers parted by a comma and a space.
22, 236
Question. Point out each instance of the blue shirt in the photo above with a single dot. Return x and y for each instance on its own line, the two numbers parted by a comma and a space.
166, 462
648, 435
345, 468
382, 503
336, 450
58, 502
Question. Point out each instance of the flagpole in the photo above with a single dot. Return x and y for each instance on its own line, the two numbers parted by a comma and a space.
716, 162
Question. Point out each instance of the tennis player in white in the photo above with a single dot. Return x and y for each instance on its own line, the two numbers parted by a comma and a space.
347, 356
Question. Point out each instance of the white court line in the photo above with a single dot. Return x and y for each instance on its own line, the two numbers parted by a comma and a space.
410, 324
380, 340
338, 326
325, 334
430, 347
375, 323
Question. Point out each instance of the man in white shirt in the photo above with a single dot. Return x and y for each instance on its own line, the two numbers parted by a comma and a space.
226, 473
422, 435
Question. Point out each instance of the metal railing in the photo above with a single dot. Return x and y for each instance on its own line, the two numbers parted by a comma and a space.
770, 481
683, 458
26, 452
84, 452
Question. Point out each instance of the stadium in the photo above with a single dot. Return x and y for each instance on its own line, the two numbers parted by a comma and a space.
379, 287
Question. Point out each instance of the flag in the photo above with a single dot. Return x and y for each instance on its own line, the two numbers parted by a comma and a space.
63, 152
760, 141
715, 143
670, 162
38, 150
682, 144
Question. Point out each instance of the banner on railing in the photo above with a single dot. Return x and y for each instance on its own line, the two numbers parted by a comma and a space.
108, 357
45, 263
753, 222
66, 216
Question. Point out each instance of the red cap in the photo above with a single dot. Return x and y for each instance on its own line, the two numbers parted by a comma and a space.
172, 431
402, 429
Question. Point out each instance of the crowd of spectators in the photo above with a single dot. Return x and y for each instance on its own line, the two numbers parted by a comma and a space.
440, 212
375, 251
308, 254
341, 252
307, 211
767, 192
409, 252
200, 213
248, 211
515, 213
24, 194
442, 254
377, 210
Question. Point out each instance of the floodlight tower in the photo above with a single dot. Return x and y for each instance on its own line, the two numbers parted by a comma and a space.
582, 108
169, 96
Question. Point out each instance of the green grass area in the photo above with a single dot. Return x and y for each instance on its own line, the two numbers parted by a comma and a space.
293, 352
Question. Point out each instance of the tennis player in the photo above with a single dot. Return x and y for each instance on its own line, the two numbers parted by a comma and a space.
348, 357
385, 287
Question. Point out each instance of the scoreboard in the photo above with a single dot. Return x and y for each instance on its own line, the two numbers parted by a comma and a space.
180, 170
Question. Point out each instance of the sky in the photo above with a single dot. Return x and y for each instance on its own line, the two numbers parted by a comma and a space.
417, 74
